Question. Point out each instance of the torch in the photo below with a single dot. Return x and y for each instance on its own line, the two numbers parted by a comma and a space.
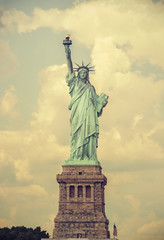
67, 41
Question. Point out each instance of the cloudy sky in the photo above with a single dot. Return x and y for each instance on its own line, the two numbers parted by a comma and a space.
124, 41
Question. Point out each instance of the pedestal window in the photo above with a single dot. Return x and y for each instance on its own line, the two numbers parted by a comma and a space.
71, 191
88, 191
80, 191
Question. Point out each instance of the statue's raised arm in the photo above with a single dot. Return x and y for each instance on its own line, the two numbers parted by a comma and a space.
67, 42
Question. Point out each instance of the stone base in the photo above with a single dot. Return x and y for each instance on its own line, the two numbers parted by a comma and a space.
81, 204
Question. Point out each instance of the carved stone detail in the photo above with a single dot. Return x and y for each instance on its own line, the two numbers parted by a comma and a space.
97, 192
62, 192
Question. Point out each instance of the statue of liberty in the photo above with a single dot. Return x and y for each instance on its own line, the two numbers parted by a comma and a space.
86, 106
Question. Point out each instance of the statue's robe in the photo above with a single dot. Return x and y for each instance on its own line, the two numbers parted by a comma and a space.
85, 108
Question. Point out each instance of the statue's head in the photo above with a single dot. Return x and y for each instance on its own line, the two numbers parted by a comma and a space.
83, 72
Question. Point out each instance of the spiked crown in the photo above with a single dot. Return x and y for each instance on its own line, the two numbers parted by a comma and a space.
79, 68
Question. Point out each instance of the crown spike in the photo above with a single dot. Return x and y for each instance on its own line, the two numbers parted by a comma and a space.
82, 63
77, 64
88, 64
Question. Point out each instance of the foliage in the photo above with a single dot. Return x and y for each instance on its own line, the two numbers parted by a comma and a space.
22, 233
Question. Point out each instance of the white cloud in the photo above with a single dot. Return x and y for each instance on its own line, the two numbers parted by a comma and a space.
35, 146
118, 178
8, 61
32, 190
109, 61
22, 170
130, 225
49, 225
136, 119
151, 229
13, 212
8, 103
116, 135
131, 116
52, 114
134, 202
5, 222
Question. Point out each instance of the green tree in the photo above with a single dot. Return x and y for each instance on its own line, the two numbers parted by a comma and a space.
22, 233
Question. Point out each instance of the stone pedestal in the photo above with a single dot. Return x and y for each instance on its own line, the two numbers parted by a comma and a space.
81, 204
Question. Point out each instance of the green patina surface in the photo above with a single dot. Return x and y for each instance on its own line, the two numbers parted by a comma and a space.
83, 162
86, 106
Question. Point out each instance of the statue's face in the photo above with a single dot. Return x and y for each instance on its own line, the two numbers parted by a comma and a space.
83, 74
